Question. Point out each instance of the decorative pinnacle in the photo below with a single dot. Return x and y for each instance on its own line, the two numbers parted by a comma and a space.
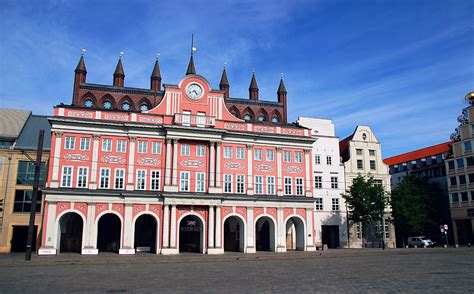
83, 51
281, 76
120, 54
253, 70
157, 56
225, 64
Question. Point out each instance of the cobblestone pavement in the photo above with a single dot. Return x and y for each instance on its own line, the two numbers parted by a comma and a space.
435, 270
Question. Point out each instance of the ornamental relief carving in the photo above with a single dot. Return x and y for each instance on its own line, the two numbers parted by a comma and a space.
76, 157
234, 165
148, 161
264, 167
114, 116
192, 163
264, 129
150, 119
291, 132
113, 159
293, 169
80, 114
231, 126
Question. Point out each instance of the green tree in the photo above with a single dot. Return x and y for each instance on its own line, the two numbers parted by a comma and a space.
366, 200
414, 205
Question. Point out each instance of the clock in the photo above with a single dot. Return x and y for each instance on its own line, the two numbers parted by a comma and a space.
194, 91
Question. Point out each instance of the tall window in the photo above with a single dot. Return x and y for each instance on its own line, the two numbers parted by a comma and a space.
454, 198
104, 178
372, 152
85, 144
26, 173
119, 178
106, 145
318, 203
360, 164
287, 186
271, 185
258, 184
200, 150
121, 146
141, 179
185, 150
460, 162
240, 184
298, 157
82, 177
317, 159
67, 176
359, 151
201, 119
23, 200
334, 183
228, 152
467, 146
299, 186
69, 143
184, 181
227, 183
142, 147
286, 156
328, 160
270, 156
257, 154
372, 165
155, 180
335, 204
239, 153
318, 182
156, 147
186, 117
200, 182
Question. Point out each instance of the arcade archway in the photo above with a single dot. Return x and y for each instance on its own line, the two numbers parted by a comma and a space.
294, 234
108, 233
191, 234
234, 237
70, 229
145, 233
265, 234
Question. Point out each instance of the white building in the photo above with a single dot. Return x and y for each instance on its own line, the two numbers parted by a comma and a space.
361, 154
329, 183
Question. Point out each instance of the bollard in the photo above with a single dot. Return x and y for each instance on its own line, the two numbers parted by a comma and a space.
469, 245
445, 246
456, 246
406, 246
416, 246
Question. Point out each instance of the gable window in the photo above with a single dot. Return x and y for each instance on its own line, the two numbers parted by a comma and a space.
360, 164
372, 152
359, 151
328, 160
107, 105
144, 108
274, 119
88, 103
126, 106
372, 165
247, 117
261, 118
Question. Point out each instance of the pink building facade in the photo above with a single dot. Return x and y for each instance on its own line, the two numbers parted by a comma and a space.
184, 175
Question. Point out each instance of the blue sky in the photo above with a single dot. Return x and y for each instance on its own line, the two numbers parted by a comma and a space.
401, 67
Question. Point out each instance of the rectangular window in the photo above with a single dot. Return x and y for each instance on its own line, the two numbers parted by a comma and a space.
467, 146
67, 177
372, 164
121, 146
26, 173
185, 150
239, 153
453, 181
200, 182
69, 143
228, 152
298, 157
270, 156
451, 164
23, 201
240, 184
287, 156
470, 160
387, 229
334, 183
464, 197
184, 181
258, 185
155, 180
460, 162
119, 181
335, 204
82, 177
288, 186
201, 119
104, 178
359, 151
186, 118
318, 182
156, 147
257, 154
372, 152
106, 145
142, 147
318, 203
85, 144
462, 180
299, 186
141, 179
359, 231
471, 178
200, 150
227, 183
454, 198
271, 185
328, 160
317, 159
360, 164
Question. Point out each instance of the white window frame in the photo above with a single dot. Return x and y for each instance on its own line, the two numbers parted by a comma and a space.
258, 185
155, 147
186, 118
239, 153
184, 181
270, 155
106, 145
240, 184
335, 204
121, 146
334, 182
201, 182
318, 204
69, 143
119, 178
155, 179
68, 182
298, 157
288, 186
317, 159
82, 178
140, 179
102, 176
270, 185
258, 154
85, 144
201, 119
329, 160
286, 156
318, 184
227, 183
299, 186
201, 150
142, 147
228, 152
185, 149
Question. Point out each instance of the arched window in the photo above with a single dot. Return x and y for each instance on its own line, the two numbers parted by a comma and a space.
126, 106
247, 117
275, 119
107, 105
261, 118
143, 107
89, 103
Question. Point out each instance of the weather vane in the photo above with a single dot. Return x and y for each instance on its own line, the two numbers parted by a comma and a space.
193, 49
157, 55
83, 51
121, 54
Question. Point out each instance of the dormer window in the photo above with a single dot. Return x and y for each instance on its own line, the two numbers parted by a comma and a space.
107, 105
247, 117
143, 108
261, 118
88, 103
126, 106
274, 119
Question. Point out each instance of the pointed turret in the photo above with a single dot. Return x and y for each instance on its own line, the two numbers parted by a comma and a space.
281, 93
224, 84
79, 78
191, 69
155, 78
253, 89
119, 75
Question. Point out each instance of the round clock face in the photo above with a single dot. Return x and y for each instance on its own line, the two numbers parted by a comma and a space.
194, 91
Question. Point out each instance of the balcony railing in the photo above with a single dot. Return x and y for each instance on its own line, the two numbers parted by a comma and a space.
194, 120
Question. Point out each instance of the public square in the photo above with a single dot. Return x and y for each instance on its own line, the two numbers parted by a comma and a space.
433, 270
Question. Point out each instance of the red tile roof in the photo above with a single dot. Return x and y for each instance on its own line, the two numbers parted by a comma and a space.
343, 148
418, 154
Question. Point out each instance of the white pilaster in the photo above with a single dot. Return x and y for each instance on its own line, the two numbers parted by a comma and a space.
168, 163
307, 162
218, 164
281, 231
279, 173
166, 226
210, 226
50, 247
89, 234
57, 154
250, 231
128, 238
95, 159
309, 231
175, 163
173, 227
218, 227
212, 163
250, 170
131, 159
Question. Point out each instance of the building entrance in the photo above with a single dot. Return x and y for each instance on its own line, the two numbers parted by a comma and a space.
234, 234
108, 233
20, 234
294, 234
330, 236
145, 233
70, 226
264, 234
191, 234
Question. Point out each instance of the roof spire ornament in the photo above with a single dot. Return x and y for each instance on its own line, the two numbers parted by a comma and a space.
83, 51
191, 68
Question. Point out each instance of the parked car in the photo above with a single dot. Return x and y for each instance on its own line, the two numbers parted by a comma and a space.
420, 241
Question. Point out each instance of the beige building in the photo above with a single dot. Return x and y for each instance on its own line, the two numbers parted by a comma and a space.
460, 176
361, 154
19, 132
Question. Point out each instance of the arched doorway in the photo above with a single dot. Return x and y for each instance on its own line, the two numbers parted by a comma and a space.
108, 233
70, 229
191, 234
145, 233
234, 236
294, 234
265, 234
